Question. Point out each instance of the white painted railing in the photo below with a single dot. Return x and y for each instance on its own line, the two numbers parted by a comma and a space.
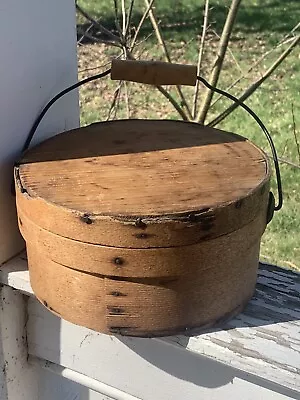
256, 355
83, 380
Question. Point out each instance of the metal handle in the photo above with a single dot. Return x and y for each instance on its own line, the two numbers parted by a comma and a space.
271, 207
162, 73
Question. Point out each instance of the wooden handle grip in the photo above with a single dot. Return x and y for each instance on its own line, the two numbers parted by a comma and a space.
154, 72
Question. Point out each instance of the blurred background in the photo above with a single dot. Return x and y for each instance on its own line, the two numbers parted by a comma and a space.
248, 47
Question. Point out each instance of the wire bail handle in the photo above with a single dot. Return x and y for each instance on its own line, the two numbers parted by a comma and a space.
162, 73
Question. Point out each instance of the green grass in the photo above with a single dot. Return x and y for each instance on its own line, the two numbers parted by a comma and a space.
274, 16
259, 25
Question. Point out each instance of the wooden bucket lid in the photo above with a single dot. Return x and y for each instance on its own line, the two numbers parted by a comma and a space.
143, 183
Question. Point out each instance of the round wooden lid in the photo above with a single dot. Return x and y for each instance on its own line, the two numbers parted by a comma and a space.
141, 172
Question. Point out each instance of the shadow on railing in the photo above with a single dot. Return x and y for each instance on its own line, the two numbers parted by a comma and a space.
271, 318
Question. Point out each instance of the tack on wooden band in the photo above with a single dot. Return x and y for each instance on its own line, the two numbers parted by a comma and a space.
143, 307
154, 72
143, 228
87, 184
168, 262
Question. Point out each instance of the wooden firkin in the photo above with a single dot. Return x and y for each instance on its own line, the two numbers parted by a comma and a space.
142, 227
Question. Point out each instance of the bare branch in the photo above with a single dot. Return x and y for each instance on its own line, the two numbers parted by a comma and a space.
84, 33
143, 41
102, 28
215, 74
128, 54
127, 99
104, 41
248, 92
251, 68
290, 33
295, 133
158, 32
118, 26
174, 103
284, 148
291, 265
145, 15
129, 18
285, 161
81, 71
200, 57
166, 94
123, 17
117, 104
114, 103
126, 20
167, 54
229, 51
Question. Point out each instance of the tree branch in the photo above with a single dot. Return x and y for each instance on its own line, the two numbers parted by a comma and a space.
123, 17
141, 42
251, 68
129, 18
214, 77
200, 57
105, 41
145, 15
102, 28
248, 92
229, 51
167, 95
83, 34
127, 99
81, 71
118, 26
295, 133
285, 161
167, 56
173, 102
115, 102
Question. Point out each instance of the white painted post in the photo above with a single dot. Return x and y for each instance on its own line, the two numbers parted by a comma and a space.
38, 59
17, 377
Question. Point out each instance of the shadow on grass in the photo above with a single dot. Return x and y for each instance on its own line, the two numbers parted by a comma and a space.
180, 21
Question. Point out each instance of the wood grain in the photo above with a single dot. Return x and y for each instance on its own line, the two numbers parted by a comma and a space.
153, 72
261, 344
171, 262
143, 183
143, 228
220, 287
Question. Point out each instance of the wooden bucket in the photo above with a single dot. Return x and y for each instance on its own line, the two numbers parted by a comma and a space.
143, 228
